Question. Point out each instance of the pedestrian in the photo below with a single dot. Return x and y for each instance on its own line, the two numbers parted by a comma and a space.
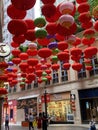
7, 122
92, 124
31, 119
44, 121
39, 121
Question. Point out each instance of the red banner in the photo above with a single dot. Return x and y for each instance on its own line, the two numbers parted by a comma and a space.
47, 98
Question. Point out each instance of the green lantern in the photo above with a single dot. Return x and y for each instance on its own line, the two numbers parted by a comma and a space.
41, 33
44, 79
54, 59
44, 74
55, 51
40, 22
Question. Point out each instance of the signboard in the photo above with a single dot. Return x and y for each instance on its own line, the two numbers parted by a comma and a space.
4, 50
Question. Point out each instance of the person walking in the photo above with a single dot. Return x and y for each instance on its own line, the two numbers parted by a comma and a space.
31, 119
92, 124
39, 121
7, 122
44, 121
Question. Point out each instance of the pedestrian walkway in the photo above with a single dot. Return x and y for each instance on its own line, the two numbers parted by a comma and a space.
53, 127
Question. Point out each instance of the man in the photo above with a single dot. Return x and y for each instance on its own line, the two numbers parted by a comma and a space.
31, 119
7, 122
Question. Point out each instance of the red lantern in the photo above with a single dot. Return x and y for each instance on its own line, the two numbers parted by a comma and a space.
48, 77
48, 65
48, 10
15, 45
76, 51
81, 1
43, 41
39, 80
19, 39
87, 25
85, 17
17, 27
23, 65
89, 68
32, 61
63, 56
3, 91
51, 28
39, 73
89, 33
59, 37
3, 78
14, 82
77, 66
30, 35
76, 58
23, 56
96, 25
77, 42
23, 4
31, 52
30, 69
31, 77
44, 52
16, 52
3, 65
30, 24
66, 66
16, 60
87, 41
48, 1
62, 45
48, 71
14, 13
83, 7
55, 66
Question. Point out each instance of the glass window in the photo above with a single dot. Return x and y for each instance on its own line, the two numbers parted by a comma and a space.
94, 63
55, 77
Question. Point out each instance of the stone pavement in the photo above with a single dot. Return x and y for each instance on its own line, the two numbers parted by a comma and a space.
53, 127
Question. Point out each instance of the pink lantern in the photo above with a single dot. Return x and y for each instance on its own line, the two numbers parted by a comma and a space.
71, 39
66, 20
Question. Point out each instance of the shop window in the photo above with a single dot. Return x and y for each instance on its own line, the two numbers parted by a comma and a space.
82, 73
55, 77
94, 63
29, 86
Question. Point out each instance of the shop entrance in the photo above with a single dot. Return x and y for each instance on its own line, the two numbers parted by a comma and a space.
88, 104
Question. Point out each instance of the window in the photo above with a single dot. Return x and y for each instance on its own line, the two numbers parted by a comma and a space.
82, 73
35, 84
14, 89
94, 63
55, 77
64, 74
29, 86
47, 82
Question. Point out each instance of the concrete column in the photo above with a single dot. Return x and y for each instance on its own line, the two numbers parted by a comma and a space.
77, 115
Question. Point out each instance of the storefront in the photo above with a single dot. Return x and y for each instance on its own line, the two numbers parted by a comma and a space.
88, 104
59, 108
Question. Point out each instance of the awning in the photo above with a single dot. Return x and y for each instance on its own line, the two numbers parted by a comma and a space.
27, 97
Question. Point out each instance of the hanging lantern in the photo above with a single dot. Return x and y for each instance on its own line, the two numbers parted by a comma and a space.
55, 67
32, 61
77, 66
30, 69
48, 10
51, 28
77, 42
48, 65
43, 41
38, 66
48, 71
17, 27
83, 7
62, 45
63, 56
23, 65
83, 16
40, 22
23, 75
44, 52
76, 51
16, 52
3, 65
19, 39
14, 13
23, 4
67, 8
89, 68
15, 45
43, 67
49, 77
66, 21
81, 1
76, 58
31, 77
39, 80
22, 84
39, 73
16, 61
66, 66
59, 37
87, 41
90, 51
48, 1
30, 35
44, 79
40, 33
30, 24
32, 46
10, 63
3, 78
54, 59
3, 91
31, 52
55, 51
89, 33
87, 25
23, 56
71, 39
96, 25
53, 45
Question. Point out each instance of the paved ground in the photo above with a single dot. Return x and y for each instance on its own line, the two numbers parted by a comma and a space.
51, 127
